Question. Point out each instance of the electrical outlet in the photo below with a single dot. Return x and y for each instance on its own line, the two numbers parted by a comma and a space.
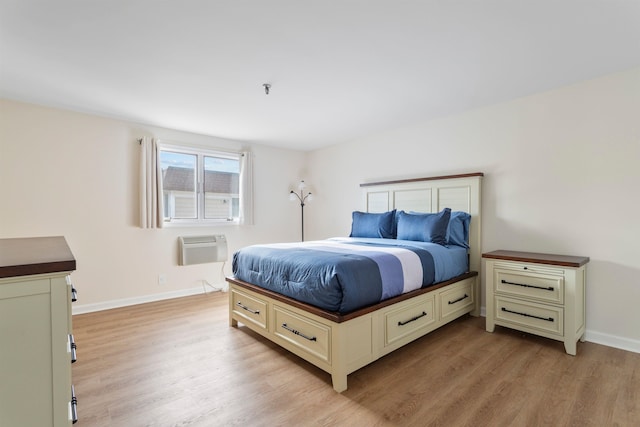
162, 279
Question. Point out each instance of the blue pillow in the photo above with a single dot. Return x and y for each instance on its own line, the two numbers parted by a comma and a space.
430, 227
366, 224
458, 230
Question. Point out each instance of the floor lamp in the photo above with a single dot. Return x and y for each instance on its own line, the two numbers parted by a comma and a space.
302, 197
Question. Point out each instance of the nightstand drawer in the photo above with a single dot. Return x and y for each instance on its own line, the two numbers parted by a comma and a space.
529, 315
528, 284
303, 332
250, 308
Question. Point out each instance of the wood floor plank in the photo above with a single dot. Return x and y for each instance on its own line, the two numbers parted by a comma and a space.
178, 363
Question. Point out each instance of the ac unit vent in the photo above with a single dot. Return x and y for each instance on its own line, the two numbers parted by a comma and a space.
202, 249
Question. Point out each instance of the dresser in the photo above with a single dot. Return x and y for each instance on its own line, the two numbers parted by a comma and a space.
36, 332
542, 294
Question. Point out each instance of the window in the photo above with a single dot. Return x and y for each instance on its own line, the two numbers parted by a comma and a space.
199, 185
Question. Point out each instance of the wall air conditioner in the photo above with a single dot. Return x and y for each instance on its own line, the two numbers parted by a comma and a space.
202, 249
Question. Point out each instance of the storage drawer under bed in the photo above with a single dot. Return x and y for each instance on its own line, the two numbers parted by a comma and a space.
457, 299
250, 308
303, 332
409, 319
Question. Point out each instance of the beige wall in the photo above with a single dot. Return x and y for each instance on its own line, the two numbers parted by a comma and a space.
562, 176
76, 175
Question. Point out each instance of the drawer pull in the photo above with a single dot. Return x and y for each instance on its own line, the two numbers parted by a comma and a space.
73, 347
524, 285
548, 319
74, 406
459, 299
424, 313
293, 331
74, 294
244, 307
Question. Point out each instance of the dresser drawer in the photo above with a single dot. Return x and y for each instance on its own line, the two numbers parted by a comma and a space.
303, 332
409, 319
458, 298
251, 308
530, 315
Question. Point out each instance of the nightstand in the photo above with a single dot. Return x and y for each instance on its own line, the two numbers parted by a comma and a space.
542, 294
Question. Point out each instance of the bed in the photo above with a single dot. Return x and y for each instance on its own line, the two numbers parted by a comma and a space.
339, 332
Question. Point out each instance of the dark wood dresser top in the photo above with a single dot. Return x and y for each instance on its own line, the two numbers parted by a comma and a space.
552, 259
35, 255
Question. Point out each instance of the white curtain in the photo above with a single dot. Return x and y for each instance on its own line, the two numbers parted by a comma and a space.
151, 209
246, 189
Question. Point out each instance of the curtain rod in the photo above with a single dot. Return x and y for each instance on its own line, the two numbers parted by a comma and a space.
207, 148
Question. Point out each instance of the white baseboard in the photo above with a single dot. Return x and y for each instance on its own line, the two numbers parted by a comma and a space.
613, 341
107, 305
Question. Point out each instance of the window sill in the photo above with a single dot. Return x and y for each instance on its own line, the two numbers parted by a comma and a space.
197, 224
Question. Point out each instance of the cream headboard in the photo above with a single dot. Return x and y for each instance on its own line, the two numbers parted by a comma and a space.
458, 192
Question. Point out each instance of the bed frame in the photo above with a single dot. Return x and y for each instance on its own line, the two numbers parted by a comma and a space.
343, 343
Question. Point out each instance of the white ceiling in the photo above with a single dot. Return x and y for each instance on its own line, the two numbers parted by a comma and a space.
339, 69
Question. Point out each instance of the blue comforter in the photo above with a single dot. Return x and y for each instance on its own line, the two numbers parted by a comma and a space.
344, 274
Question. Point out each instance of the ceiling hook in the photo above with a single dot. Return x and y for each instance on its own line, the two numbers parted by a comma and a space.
267, 87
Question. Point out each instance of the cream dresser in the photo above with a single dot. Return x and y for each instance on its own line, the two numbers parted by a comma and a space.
541, 294
35, 331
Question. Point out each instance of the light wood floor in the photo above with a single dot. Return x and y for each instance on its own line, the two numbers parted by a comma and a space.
178, 363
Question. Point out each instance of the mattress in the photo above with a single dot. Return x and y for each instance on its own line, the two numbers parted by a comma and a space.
345, 274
